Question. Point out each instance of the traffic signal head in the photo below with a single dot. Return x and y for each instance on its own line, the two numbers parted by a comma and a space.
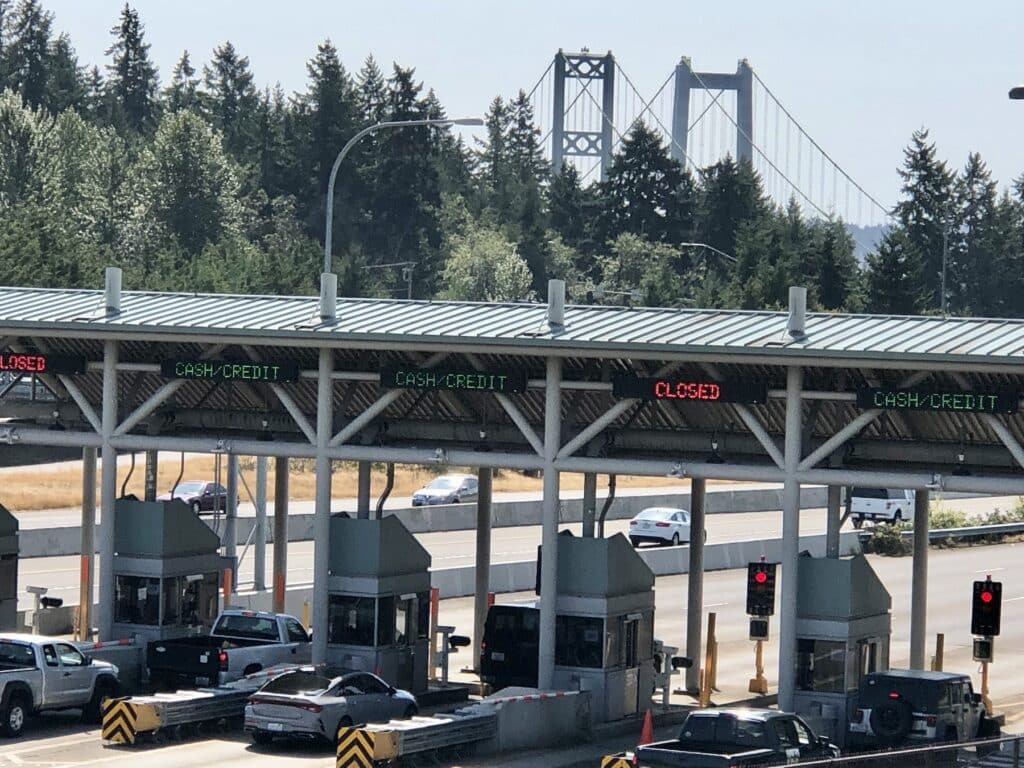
983, 649
986, 607
759, 629
761, 589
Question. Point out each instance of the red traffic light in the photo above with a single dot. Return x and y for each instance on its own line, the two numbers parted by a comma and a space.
761, 577
985, 597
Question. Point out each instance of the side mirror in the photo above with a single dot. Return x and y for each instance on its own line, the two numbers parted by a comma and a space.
975, 698
681, 662
88, 659
392, 690
457, 641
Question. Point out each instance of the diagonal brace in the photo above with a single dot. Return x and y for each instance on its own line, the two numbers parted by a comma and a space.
853, 428
72, 389
286, 400
754, 425
996, 425
513, 411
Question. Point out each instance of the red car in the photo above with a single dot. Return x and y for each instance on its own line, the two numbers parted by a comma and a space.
201, 495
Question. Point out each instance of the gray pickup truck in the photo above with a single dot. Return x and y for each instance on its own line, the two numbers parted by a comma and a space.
39, 674
725, 738
241, 643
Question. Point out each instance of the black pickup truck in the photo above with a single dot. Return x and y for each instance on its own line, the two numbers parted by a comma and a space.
729, 738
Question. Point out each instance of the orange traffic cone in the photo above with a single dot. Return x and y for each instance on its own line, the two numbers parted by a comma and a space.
647, 733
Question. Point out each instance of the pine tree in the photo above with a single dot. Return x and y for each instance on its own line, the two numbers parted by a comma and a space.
926, 210
95, 105
67, 88
972, 282
838, 268
230, 100
371, 92
132, 82
730, 196
894, 276
5, 14
273, 148
27, 52
181, 92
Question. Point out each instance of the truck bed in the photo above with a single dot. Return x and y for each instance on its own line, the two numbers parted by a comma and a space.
192, 658
698, 755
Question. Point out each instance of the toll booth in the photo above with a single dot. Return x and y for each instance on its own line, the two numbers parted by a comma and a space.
378, 612
167, 570
843, 630
8, 570
604, 625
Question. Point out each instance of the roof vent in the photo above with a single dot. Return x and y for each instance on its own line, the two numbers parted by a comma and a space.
112, 291
328, 297
556, 303
797, 324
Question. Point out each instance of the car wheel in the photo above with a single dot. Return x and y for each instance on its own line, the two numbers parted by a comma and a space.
858, 522
197, 507
262, 738
252, 669
12, 718
897, 518
675, 539
105, 689
891, 721
410, 712
635, 542
455, 500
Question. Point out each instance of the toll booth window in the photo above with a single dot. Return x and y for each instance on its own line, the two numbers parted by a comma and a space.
579, 641
137, 600
422, 615
193, 593
350, 620
170, 600
821, 666
867, 660
385, 621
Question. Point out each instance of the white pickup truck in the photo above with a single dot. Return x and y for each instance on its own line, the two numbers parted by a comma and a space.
39, 674
240, 643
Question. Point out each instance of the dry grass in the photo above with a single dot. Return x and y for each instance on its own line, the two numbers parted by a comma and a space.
61, 486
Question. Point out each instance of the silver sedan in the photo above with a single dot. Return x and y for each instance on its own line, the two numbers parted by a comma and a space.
307, 704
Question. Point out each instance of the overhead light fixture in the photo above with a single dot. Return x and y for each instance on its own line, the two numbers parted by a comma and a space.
715, 457
676, 471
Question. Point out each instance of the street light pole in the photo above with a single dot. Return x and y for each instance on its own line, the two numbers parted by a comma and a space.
329, 231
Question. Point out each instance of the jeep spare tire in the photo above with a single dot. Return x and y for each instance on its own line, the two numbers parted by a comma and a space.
891, 721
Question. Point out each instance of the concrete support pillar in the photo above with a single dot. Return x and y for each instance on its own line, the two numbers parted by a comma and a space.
280, 532
549, 522
607, 114
322, 514
259, 536
744, 112
681, 110
558, 114
589, 504
919, 582
231, 520
695, 583
832, 521
152, 461
108, 491
790, 541
363, 491
85, 597
483, 559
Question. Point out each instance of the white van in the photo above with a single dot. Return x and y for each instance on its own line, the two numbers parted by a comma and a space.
890, 505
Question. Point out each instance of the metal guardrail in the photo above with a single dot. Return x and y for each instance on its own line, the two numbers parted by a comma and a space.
372, 744
968, 532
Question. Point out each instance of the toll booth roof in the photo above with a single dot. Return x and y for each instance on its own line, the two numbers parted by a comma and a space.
8, 522
846, 588
375, 548
601, 567
158, 529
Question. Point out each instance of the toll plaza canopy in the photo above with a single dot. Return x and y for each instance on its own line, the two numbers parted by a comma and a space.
794, 397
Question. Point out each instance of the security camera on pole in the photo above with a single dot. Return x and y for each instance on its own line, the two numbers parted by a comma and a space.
986, 609
760, 605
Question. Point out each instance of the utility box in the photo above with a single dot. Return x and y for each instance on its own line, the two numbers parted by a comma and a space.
378, 611
167, 570
8, 571
604, 625
843, 631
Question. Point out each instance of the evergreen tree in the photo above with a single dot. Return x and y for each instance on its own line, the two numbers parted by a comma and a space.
273, 148
230, 100
94, 102
838, 268
972, 283
27, 52
1007, 270
5, 14
371, 92
926, 211
731, 194
132, 82
894, 276
181, 92
67, 86
646, 192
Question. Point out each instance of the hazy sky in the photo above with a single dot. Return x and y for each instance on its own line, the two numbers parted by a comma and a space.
859, 76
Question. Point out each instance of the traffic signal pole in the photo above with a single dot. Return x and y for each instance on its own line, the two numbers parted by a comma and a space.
919, 582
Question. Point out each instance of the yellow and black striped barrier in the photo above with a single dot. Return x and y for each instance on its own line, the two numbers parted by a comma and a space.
124, 719
616, 761
355, 748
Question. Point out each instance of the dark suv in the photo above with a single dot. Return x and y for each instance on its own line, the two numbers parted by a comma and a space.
907, 706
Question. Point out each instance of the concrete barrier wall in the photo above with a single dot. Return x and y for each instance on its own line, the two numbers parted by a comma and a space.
521, 576
537, 723
52, 542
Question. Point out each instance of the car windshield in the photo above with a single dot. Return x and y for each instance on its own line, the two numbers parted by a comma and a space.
298, 684
656, 514
253, 627
190, 487
443, 483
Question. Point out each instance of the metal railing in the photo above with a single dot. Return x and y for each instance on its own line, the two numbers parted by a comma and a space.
1004, 752
968, 532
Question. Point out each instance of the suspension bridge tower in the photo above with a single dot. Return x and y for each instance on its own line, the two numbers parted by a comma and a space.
573, 132
742, 82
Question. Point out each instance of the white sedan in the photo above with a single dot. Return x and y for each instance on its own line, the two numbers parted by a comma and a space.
660, 525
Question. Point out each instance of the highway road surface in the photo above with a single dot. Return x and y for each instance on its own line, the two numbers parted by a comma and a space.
59, 741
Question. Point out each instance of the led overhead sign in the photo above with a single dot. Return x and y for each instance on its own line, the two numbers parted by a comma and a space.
34, 362
930, 399
229, 370
401, 377
694, 390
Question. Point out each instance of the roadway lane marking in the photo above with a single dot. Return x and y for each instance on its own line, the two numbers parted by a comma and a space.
1013, 599
716, 605
990, 570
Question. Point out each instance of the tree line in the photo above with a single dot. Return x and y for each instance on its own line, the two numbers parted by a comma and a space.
209, 183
